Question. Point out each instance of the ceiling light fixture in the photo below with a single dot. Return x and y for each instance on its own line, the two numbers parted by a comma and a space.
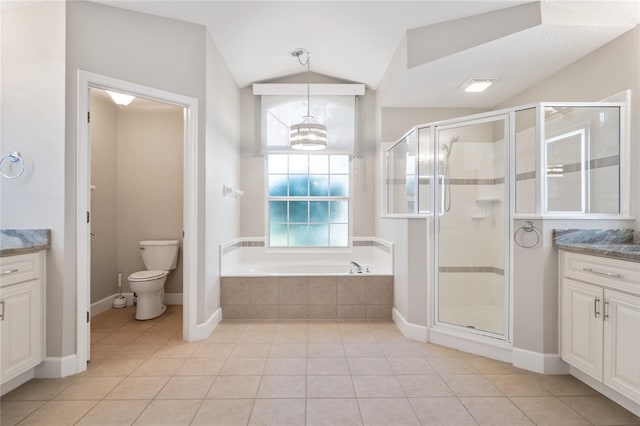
478, 84
307, 135
121, 98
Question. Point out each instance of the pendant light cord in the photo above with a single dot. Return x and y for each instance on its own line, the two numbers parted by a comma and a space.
308, 64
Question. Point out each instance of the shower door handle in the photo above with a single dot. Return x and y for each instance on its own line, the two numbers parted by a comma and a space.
443, 191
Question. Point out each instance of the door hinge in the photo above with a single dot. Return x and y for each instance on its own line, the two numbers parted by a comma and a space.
88, 116
88, 217
87, 316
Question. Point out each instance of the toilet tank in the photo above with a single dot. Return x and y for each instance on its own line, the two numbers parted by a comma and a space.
159, 255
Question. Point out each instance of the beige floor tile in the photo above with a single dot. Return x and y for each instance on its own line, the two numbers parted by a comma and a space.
411, 365
436, 351
563, 385
456, 365
285, 367
39, 389
58, 413
215, 350
601, 411
118, 338
495, 412
89, 388
187, 387
547, 411
349, 337
441, 412
115, 368
136, 327
362, 366
491, 366
251, 350
330, 387
290, 337
329, 336
377, 387
282, 387
517, 385
180, 350
136, 351
114, 413
96, 337
387, 411
234, 387
325, 350
168, 412
101, 351
470, 385
261, 326
166, 327
201, 367
153, 338
243, 366
327, 367
159, 367
223, 337
11, 412
356, 350
288, 350
138, 388
223, 412
401, 350
429, 385
343, 412
278, 412
257, 336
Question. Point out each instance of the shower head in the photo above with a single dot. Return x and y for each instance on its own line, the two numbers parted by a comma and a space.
447, 148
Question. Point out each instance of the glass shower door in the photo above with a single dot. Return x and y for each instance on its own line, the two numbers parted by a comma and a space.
472, 225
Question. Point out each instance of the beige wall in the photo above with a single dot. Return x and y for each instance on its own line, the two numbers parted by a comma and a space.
363, 179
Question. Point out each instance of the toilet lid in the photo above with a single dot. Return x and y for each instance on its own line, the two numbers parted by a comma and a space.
146, 275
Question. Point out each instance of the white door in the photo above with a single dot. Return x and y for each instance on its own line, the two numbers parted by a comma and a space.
622, 343
582, 326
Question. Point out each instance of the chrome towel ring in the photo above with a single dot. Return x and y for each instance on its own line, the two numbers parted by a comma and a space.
528, 226
13, 157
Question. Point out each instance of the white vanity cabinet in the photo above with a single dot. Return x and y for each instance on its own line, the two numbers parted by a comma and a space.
600, 320
22, 283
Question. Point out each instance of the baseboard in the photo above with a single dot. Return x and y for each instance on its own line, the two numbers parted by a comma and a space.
105, 304
54, 367
410, 330
617, 397
539, 362
204, 330
16, 381
487, 347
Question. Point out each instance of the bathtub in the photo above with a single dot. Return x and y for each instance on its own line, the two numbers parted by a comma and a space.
259, 283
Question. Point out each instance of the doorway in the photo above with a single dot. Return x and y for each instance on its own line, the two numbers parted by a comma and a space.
189, 252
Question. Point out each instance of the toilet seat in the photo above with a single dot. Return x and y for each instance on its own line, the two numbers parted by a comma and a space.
147, 275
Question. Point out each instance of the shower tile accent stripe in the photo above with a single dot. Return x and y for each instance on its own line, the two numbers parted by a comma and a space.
596, 163
464, 269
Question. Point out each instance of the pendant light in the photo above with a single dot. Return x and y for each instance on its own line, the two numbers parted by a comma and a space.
307, 135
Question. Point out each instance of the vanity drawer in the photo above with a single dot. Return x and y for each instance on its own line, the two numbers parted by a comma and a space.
614, 273
19, 268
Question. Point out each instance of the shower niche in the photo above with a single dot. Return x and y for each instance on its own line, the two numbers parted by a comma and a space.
472, 176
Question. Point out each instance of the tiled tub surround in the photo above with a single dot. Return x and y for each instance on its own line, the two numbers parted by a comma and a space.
22, 241
358, 296
621, 244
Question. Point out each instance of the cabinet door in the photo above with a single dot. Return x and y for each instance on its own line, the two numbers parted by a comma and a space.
622, 343
581, 317
20, 328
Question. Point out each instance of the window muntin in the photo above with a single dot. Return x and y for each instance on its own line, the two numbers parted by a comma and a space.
308, 200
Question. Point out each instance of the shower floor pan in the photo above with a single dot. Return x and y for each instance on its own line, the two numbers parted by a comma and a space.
480, 317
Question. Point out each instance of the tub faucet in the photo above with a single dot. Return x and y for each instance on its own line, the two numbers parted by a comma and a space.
357, 266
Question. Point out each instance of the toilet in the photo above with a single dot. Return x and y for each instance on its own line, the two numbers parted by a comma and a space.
159, 257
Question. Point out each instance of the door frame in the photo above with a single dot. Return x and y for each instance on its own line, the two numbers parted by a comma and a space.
87, 80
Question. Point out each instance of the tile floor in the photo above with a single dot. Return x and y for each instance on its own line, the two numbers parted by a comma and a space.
295, 373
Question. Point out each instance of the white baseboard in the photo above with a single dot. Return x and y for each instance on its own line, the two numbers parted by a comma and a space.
539, 362
53, 367
617, 397
410, 330
105, 304
202, 331
16, 381
498, 349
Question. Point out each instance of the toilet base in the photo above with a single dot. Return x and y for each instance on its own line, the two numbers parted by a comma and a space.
145, 314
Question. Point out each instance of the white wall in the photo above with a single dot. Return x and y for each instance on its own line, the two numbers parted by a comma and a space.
33, 123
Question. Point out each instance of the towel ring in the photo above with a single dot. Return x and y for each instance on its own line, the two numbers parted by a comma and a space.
14, 157
527, 227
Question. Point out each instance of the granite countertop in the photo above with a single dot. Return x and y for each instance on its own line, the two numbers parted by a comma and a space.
21, 241
621, 244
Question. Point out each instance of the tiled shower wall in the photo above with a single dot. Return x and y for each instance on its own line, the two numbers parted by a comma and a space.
319, 297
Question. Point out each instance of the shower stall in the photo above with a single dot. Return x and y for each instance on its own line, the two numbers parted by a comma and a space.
472, 177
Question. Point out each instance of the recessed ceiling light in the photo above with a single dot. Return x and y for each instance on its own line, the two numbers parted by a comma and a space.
120, 98
477, 84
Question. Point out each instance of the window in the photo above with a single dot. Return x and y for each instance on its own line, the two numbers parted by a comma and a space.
308, 200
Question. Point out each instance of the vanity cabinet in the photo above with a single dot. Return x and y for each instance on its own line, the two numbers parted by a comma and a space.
21, 313
600, 320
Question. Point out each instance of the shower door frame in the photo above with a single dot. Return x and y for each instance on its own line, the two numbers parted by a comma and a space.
508, 116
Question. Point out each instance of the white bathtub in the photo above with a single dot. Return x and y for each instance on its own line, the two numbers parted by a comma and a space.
249, 257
